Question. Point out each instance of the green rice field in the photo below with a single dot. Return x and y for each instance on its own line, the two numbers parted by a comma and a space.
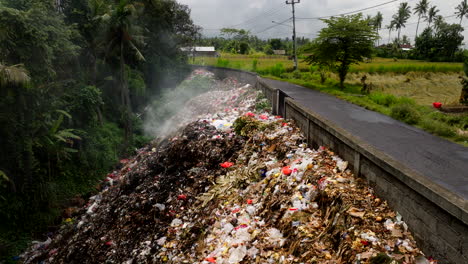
377, 65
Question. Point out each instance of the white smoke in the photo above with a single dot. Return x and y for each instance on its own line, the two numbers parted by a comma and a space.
196, 97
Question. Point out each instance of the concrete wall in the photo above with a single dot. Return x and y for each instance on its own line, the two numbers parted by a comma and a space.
437, 217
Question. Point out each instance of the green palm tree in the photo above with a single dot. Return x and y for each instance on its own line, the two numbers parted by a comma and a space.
438, 21
421, 10
401, 17
390, 27
378, 24
14, 80
122, 39
462, 10
99, 11
431, 14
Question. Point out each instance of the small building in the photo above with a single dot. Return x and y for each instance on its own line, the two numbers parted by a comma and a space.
201, 51
406, 47
279, 52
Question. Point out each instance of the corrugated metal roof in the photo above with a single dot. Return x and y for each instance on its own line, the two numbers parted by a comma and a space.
201, 49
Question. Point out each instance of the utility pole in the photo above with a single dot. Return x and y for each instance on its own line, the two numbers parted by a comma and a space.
293, 2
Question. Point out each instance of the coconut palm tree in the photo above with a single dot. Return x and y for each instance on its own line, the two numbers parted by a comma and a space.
401, 17
421, 11
431, 14
462, 10
378, 24
122, 37
438, 20
390, 27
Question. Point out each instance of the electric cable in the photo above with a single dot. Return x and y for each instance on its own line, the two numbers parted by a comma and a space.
348, 13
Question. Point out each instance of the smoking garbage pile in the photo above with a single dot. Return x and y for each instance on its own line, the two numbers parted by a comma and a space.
235, 186
197, 96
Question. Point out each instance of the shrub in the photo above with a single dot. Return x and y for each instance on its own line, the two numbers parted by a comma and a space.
222, 63
383, 99
297, 75
254, 65
405, 100
406, 113
286, 75
437, 127
277, 70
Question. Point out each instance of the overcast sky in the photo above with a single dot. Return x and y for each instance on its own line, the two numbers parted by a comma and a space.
257, 15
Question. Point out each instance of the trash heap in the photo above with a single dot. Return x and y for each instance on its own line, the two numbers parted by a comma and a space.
222, 97
233, 187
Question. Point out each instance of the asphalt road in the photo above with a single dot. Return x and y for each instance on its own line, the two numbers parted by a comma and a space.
442, 161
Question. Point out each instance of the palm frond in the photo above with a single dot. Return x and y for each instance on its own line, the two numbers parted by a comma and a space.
137, 51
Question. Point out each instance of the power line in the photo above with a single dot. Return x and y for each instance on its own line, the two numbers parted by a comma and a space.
348, 13
414, 23
281, 24
275, 25
266, 14
269, 12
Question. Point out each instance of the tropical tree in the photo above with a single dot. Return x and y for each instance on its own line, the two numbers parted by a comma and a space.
431, 14
401, 17
345, 41
378, 24
405, 40
462, 10
438, 21
390, 27
421, 10
122, 40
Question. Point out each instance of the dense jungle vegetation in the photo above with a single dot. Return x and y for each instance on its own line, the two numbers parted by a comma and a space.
74, 77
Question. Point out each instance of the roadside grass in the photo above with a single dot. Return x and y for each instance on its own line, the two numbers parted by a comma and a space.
405, 96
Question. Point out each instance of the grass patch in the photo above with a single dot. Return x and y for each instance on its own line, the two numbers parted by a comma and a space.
438, 128
406, 113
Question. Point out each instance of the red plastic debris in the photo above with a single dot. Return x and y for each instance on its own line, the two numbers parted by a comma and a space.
285, 124
286, 170
109, 243
249, 201
278, 117
263, 117
321, 180
226, 164
235, 210
293, 209
364, 242
211, 260
250, 114
241, 226
182, 197
437, 105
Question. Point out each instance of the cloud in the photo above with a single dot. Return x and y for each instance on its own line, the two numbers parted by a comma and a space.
257, 15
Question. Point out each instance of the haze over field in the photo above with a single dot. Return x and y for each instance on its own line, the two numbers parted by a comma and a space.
257, 16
